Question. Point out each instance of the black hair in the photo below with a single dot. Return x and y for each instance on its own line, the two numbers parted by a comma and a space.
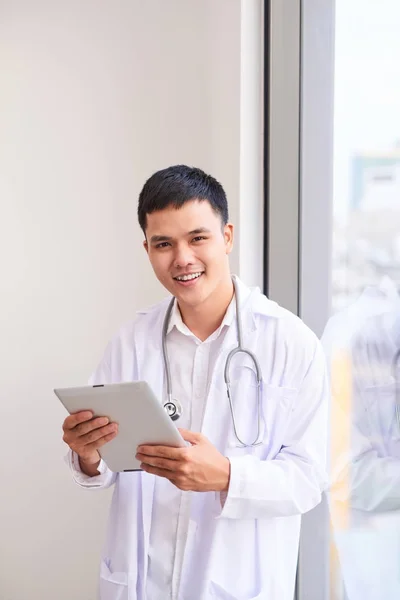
176, 185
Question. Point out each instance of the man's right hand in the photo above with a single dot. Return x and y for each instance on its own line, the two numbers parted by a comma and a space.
85, 435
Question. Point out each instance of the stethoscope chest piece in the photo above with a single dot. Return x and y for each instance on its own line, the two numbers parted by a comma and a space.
174, 409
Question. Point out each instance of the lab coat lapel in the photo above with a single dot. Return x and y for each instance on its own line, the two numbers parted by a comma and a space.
148, 342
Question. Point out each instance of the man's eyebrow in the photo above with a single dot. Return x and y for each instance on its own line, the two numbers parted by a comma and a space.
199, 230
159, 238
156, 239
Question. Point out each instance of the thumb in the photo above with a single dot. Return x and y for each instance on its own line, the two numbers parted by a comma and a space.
190, 436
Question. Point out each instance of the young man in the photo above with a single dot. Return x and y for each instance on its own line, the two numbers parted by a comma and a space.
215, 520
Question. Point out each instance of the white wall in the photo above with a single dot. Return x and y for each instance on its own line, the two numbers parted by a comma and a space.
94, 97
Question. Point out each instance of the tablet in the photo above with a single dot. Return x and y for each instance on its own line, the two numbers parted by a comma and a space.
140, 417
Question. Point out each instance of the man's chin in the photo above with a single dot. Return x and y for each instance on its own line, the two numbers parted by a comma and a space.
191, 297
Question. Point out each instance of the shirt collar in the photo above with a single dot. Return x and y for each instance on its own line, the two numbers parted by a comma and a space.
176, 319
251, 297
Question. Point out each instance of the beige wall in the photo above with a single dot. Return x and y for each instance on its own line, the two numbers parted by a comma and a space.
94, 97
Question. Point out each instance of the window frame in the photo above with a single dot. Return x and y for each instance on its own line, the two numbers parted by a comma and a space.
298, 173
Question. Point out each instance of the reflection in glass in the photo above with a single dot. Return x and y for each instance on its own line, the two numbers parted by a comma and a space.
362, 338
363, 343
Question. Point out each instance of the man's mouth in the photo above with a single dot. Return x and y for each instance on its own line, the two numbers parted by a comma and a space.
189, 276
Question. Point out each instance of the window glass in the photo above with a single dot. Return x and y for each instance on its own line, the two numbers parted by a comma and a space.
362, 337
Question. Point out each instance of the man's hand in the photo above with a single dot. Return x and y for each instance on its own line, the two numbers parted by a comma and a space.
198, 468
85, 435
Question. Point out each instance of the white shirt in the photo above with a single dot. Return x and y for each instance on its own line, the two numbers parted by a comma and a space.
191, 363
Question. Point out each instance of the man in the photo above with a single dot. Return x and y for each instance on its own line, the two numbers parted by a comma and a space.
216, 519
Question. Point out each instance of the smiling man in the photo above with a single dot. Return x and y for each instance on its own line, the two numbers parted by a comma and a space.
219, 519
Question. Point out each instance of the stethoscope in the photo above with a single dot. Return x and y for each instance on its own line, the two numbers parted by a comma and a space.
174, 408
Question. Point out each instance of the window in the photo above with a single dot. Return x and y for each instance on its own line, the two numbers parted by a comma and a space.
365, 278
333, 185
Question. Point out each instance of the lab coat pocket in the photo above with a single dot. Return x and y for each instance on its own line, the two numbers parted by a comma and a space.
277, 403
113, 586
216, 592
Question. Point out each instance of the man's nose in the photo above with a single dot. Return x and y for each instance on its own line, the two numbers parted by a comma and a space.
183, 256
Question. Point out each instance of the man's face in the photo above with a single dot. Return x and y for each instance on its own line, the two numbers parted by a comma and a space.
188, 249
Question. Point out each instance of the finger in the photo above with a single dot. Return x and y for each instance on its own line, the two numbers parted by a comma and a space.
161, 451
191, 436
161, 463
182, 483
77, 442
74, 420
157, 471
84, 428
97, 434
101, 441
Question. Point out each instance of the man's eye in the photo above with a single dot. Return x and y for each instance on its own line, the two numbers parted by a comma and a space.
162, 245
199, 238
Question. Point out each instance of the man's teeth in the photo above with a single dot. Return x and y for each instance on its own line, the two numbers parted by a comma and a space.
189, 277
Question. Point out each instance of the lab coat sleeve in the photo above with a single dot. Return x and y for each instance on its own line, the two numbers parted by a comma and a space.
106, 478
293, 481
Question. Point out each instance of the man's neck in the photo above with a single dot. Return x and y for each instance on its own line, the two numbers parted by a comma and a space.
204, 319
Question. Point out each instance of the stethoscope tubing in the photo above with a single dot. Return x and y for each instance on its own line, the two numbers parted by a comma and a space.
238, 350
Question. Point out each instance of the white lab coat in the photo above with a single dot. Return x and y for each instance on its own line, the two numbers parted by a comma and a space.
248, 549
368, 470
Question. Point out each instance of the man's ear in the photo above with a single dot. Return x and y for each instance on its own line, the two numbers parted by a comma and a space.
228, 236
146, 246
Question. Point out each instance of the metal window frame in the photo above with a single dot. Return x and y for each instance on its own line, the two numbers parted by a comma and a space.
281, 151
298, 156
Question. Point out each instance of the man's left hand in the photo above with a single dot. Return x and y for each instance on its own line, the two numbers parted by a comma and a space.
198, 468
